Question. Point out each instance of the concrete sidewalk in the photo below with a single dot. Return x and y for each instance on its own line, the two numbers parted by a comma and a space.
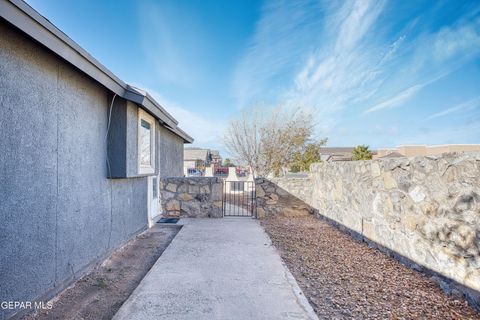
218, 269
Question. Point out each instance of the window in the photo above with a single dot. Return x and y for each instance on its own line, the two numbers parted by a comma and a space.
146, 143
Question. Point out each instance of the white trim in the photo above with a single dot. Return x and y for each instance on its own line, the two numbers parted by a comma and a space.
143, 169
153, 204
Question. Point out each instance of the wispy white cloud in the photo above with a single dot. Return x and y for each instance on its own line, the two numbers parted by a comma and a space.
205, 130
466, 133
458, 43
400, 98
346, 68
396, 100
202, 127
463, 40
323, 49
361, 16
465, 106
347, 62
279, 43
393, 48
168, 43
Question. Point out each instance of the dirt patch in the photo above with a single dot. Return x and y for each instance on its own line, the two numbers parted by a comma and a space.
101, 293
344, 278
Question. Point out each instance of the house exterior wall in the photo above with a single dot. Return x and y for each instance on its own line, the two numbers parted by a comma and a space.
60, 214
170, 154
117, 139
123, 140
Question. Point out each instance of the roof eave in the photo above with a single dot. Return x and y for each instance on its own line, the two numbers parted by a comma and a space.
22, 16
29, 21
164, 112
146, 103
182, 134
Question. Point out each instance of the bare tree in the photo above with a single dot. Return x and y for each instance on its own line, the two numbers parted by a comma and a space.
242, 139
266, 139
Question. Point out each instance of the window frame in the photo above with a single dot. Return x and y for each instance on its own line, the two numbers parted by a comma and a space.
146, 169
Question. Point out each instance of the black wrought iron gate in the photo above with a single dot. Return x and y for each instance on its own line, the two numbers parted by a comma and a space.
239, 199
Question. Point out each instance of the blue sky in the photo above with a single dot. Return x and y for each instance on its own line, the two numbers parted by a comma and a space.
381, 73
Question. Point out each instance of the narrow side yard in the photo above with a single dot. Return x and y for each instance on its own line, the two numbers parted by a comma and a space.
100, 294
344, 278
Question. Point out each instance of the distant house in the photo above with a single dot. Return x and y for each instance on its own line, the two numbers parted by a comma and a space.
425, 150
216, 158
336, 154
81, 153
196, 158
393, 154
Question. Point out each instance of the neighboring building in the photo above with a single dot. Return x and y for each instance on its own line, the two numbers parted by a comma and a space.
336, 153
216, 158
393, 154
424, 150
81, 153
196, 158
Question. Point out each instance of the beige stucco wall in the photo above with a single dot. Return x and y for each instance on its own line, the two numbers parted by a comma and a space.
411, 151
424, 150
432, 150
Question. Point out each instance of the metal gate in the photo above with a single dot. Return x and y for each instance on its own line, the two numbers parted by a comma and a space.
239, 199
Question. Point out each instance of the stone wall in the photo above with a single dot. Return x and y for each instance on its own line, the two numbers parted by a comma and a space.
425, 209
272, 198
192, 197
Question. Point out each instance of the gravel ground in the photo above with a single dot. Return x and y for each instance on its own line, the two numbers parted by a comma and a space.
343, 278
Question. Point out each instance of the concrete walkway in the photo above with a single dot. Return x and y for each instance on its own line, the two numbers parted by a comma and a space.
218, 269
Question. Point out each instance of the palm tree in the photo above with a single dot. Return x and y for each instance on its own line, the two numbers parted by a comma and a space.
361, 152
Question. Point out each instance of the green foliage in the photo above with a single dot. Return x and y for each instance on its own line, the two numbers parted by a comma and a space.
362, 152
304, 158
228, 163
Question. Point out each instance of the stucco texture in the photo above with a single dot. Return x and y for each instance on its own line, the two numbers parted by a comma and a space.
59, 211
170, 154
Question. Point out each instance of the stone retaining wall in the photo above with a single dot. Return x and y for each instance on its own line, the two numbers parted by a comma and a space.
192, 197
426, 209
272, 197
